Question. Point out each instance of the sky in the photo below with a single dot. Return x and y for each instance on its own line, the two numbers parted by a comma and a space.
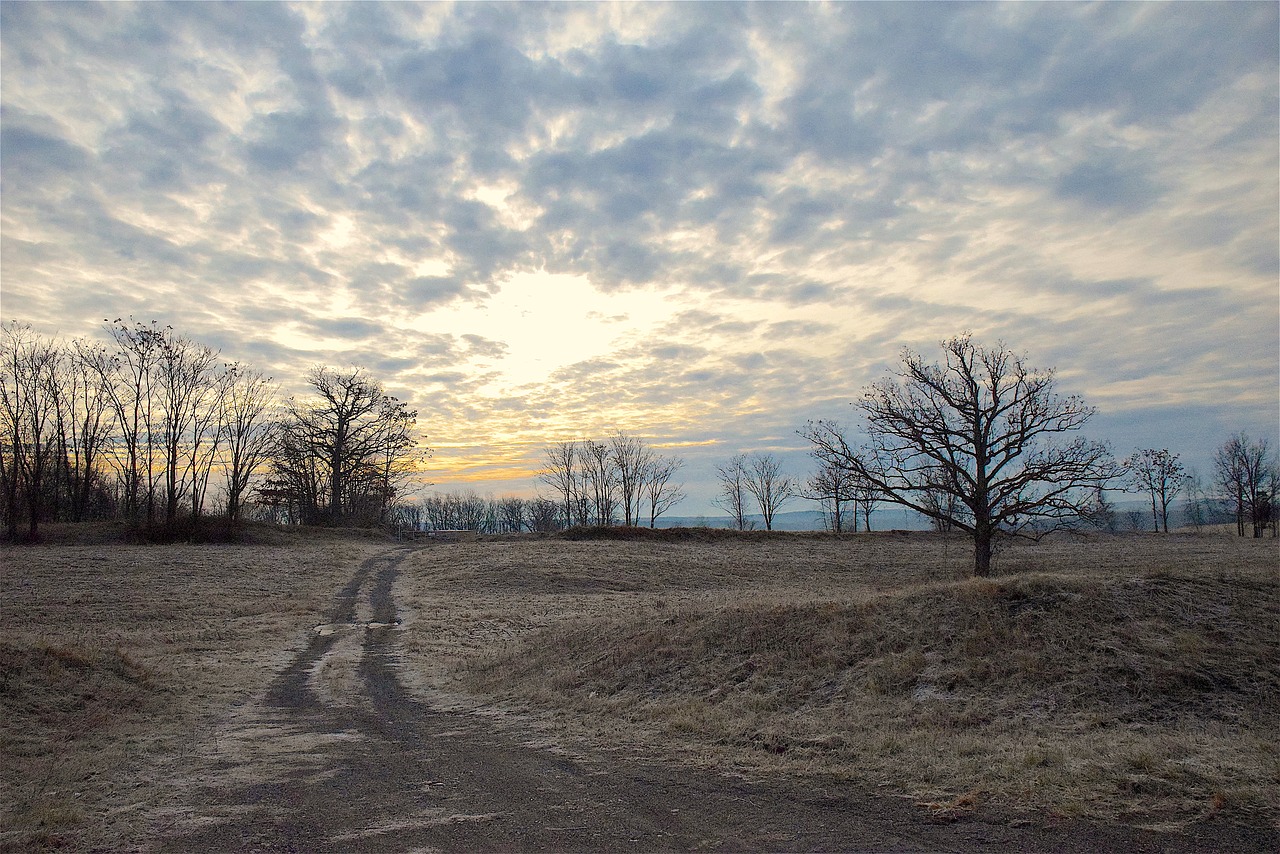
701, 223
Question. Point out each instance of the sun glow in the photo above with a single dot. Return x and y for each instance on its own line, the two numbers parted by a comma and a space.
550, 321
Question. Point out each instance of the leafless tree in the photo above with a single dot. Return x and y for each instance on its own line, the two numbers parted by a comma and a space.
600, 480
131, 377
867, 499
631, 458
982, 426
734, 494
28, 417
186, 382
769, 485
248, 431
354, 437
85, 422
544, 515
833, 488
512, 515
560, 472
1159, 474
1246, 473
660, 489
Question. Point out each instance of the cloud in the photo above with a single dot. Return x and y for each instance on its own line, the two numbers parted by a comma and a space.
716, 219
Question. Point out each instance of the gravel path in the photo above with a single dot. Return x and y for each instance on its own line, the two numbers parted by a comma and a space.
381, 771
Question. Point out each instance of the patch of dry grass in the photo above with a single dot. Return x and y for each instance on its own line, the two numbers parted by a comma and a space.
1129, 678
116, 659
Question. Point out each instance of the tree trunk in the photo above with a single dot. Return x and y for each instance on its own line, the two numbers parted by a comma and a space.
982, 554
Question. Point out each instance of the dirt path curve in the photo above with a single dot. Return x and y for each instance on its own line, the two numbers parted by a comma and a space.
382, 771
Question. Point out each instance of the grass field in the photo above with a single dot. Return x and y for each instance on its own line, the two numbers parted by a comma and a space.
1127, 678
115, 659
1131, 678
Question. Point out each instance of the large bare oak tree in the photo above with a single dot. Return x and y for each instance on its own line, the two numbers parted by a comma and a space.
982, 428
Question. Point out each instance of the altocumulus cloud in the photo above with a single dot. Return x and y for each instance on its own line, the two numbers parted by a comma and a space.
798, 191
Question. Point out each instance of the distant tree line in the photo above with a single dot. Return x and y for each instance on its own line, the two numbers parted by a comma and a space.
145, 427
621, 480
469, 511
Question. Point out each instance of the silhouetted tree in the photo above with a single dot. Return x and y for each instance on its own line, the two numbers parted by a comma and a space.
560, 472
340, 452
600, 480
979, 427
833, 488
28, 420
1159, 474
770, 486
733, 490
131, 377
630, 457
248, 431
660, 489
85, 423
1246, 474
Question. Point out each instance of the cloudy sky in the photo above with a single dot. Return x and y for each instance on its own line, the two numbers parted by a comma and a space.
701, 223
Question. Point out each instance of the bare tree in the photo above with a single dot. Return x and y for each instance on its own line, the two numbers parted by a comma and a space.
833, 488
1159, 474
982, 427
600, 480
339, 450
1246, 473
733, 490
561, 474
867, 498
248, 431
85, 422
186, 380
28, 416
543, 515
131, 376
660, 489
769, 485
631, 459
512, 515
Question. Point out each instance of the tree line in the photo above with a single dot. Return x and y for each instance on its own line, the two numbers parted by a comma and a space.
469, 511
156, 429
594, 481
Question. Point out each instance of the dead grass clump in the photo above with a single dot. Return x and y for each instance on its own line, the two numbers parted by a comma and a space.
60, 700
1155, 697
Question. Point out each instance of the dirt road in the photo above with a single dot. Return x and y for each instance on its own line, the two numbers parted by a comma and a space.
375, 769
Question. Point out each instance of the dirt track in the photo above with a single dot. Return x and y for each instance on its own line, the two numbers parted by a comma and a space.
379, 770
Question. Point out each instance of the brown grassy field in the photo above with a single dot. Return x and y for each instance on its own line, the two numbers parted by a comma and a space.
1126, 678
1129, 678
114, 659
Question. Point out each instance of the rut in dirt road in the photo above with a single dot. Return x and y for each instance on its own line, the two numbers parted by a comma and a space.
383, 771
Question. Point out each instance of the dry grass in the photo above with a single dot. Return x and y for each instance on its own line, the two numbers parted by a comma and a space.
1128, 678
116, 659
